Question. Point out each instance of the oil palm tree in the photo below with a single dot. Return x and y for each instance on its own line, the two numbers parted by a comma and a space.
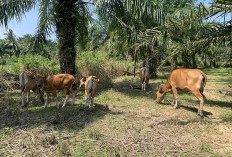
11, 42
68, 17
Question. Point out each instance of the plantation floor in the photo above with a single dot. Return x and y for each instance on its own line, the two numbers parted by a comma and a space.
125, 122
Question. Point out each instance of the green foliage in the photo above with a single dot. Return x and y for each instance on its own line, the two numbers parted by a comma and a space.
226, 116
131, 79
101, 65
15, 65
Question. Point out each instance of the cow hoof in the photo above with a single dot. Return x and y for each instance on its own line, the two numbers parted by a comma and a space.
176, 107
200, 114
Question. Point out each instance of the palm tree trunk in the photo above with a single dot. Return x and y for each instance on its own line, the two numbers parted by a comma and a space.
174, 62
186, 59
66, 33
194, 61
153, 67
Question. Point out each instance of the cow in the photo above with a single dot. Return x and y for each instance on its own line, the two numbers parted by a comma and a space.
27, 83
144, 77
52, 83
185, 80
91, 85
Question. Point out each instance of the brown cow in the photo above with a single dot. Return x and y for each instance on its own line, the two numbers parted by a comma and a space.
52, 83
144, 77
185, 80
27, 83
91, 84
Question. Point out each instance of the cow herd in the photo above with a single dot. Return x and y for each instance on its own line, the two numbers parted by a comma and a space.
185, 80
52, 83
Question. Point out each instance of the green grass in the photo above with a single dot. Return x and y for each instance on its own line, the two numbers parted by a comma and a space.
124, 122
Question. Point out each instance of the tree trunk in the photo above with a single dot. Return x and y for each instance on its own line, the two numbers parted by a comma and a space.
212, 64
174, 62
153, 68
194, 61
186, 59
205, 63
66, 33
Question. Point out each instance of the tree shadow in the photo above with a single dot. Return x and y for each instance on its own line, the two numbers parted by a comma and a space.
178, 122
70, 117
219, 103
134, 90
215, 103
193, 109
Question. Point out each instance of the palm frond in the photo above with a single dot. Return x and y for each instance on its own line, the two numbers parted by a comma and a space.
10, 9
44, 25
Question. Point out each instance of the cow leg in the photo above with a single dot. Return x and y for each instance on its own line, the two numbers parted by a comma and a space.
23, 99
66, 99
87, 100
173, 100
199, 96
141, 86
55, 95
23, 96
92, 99
28, 94
46, 102
145, 86
175, 97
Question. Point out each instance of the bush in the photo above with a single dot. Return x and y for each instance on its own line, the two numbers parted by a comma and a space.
87, 63
100, 65
42, 64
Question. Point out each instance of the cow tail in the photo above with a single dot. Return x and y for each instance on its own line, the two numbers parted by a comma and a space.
23, 82
203, 83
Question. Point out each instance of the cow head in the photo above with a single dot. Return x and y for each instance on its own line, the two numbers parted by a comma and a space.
41, 94
160, 95
40, 80
82, 82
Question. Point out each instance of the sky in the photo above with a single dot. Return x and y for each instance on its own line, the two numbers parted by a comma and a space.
28, 24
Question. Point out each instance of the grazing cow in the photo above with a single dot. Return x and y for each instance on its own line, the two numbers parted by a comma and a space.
27, 83
185, 80
144, 77
91, 84
52, 83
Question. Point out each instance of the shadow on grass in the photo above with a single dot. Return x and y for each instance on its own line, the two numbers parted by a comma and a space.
219, 103
193, 109
178, 122
69, 118
134, 90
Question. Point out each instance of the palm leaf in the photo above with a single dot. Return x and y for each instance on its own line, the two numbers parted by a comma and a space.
10, 9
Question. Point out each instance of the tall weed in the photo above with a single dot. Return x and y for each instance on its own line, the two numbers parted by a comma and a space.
100, 65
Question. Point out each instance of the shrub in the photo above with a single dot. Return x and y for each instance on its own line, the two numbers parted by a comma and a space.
100, 65
42, 64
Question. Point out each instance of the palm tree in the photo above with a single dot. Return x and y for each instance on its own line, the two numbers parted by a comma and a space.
68, 17
11, 42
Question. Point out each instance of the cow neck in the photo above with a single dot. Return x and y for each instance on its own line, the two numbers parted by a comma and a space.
166, 87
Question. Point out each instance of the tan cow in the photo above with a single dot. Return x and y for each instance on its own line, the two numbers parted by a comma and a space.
27, 83
91, 84
52, 83
185, 80
144, 77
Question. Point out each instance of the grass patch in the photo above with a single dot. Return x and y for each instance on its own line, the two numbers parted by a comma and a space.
125, 121
226, 116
